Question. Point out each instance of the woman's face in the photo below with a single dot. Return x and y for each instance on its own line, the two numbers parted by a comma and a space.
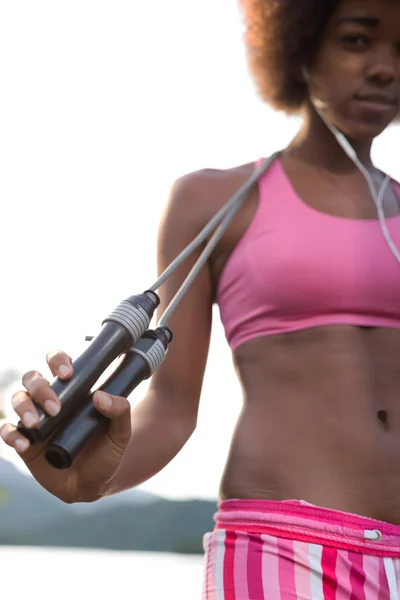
355, 78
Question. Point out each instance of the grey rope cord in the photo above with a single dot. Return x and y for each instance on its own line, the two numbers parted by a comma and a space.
223, 217
204, 233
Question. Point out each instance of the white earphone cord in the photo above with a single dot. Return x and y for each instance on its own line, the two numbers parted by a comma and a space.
377, 196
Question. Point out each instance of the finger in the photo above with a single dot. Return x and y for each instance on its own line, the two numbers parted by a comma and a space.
118, 410
24, 407
39, 391
60, 364
12, 438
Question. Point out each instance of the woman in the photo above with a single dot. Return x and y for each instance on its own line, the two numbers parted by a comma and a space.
309, 291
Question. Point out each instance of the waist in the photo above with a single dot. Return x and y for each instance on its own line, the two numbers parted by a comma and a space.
301, 521
330, 451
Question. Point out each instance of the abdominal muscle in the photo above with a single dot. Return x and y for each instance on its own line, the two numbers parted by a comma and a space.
320, 420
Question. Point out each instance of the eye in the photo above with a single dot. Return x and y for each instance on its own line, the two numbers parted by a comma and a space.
358, 41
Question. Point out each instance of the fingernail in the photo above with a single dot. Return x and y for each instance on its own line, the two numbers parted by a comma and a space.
63, 370
52, 408
104, 400
21, 445
29, 419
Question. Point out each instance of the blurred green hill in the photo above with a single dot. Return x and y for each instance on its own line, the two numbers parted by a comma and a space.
133, 520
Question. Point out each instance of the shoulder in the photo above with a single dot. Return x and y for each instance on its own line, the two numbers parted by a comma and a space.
195, 197
393, 183
387, 175
210, 180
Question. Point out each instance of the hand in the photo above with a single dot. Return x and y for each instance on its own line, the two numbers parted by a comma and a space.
87, 479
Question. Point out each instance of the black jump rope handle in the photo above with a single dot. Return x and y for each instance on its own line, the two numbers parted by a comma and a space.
70, 441
121, 330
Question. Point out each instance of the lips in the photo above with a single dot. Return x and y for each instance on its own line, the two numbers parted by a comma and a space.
380, 98
377, 103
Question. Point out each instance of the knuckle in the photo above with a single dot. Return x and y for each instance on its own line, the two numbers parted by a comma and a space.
118, 401
124, 406
55, 357
5, 432
36, 386
18, 399
30, 376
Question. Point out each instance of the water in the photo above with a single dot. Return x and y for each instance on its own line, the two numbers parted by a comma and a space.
48, 573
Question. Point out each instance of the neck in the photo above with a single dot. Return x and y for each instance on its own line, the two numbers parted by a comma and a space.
316, 144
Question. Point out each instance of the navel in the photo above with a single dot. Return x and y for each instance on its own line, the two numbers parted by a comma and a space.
382, 416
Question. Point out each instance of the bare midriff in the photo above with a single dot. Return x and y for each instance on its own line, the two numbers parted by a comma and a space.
320, 420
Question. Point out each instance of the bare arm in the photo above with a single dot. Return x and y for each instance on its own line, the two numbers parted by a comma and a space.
164, 421
141, 442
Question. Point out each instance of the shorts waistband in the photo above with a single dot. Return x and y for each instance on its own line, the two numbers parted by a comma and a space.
298, 520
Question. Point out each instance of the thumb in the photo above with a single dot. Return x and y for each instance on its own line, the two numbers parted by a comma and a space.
118, 410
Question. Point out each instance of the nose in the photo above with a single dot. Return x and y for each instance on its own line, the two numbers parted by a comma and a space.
384, 67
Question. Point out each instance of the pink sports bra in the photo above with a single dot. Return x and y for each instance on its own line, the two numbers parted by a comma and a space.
296, 268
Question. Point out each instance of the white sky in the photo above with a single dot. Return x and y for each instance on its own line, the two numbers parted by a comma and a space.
103, 105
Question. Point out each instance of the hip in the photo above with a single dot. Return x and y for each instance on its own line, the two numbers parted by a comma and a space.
285, 550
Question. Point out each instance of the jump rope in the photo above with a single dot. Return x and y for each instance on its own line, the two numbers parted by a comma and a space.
125, 332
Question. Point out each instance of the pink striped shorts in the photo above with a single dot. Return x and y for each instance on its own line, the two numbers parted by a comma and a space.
268, 550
